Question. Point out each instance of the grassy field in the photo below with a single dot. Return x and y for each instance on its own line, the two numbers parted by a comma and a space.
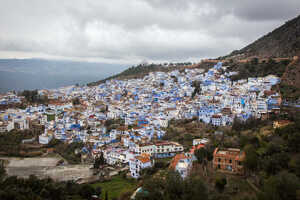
116, 186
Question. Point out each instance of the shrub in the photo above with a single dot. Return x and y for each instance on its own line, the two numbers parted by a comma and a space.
220, 183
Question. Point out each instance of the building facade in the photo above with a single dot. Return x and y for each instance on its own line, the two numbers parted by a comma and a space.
229, 160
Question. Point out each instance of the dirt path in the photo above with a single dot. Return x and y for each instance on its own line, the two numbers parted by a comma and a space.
253, 186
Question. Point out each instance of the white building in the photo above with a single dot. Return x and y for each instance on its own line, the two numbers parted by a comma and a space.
6, 126
138, 163
216, 120
45, 139
115, 156
200, 141
182, 163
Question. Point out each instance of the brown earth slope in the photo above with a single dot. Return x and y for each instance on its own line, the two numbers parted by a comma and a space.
290, 85
282, 42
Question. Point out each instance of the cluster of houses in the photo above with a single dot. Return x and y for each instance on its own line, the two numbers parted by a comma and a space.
13, 119
10, 98
229, 160
145, 107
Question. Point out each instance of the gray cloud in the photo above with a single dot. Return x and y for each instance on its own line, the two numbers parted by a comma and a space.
131, 31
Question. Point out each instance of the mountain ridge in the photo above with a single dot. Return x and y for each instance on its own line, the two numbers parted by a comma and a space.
275, 52
36, 73
283, 41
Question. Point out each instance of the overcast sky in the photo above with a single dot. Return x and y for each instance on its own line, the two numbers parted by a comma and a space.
131, 31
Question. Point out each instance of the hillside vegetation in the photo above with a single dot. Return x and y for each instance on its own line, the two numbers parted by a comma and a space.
138, 71
275, 53
258, 69
272, 163
290, 85
142, 70
282, 42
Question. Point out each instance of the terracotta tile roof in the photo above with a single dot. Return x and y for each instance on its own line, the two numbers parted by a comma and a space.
122, 128
176, 159
143, 159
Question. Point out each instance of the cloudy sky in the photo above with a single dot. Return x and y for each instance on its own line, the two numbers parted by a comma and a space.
131, 31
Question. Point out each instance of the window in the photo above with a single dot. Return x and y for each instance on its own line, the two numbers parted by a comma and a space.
219, 159
228, 167
230, 161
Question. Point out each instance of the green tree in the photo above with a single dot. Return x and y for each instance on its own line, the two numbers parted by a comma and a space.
254, 61
294, 141
220, 183
210, 152
32, 96
106, 195
251, 158
198, 89
2, 170
194, 189
174, 185
87, 191
201, 155
99, 161
281, 187
237, 124
294, 165
153, 189
98, 190
76, 101
274, 163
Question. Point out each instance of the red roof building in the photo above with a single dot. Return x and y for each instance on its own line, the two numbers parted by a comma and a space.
229, 160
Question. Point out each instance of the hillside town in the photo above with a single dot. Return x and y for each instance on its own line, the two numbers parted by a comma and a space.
150, 100
143, 109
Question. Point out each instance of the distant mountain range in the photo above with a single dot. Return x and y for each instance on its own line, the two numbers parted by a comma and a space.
21, 74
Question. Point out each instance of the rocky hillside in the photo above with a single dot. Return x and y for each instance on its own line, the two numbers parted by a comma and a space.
290, 85
270, 52
282, 42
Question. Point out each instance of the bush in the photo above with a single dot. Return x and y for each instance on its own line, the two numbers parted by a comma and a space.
86, 191
220, 183
281, 187
160, 165
294, 165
